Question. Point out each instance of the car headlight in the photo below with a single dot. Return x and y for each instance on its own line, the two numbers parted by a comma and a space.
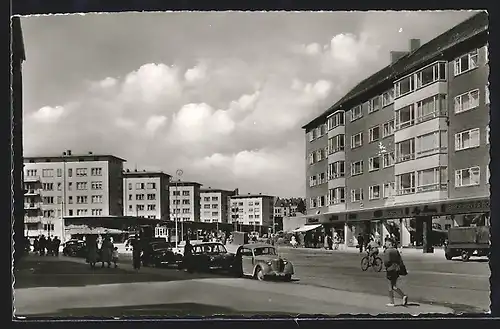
212, 258
269, 263
285, 262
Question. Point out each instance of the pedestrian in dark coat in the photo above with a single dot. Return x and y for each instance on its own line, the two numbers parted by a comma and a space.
187, 259
136, 253
92, 251
57, 244
42, 244
361, 242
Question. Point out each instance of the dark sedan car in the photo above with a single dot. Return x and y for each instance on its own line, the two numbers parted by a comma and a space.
75, 248
208, 256
162, 254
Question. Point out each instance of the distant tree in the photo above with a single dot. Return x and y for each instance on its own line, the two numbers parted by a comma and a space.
301, 206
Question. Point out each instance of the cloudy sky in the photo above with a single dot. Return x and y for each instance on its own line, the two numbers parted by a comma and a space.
222, 95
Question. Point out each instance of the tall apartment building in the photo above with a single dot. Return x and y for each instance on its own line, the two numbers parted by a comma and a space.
215, 205
185, 201
146, 194
70, 185
253, 209
414, 133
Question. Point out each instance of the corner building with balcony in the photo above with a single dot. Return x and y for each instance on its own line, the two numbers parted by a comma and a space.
407, 149
69, 185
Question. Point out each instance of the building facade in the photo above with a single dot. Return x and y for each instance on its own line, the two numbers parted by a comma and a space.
215, 205
253, 209
70, 185
185, 201
146, 194
414, 133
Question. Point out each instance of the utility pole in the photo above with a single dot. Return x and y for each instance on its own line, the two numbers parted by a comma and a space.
179, 173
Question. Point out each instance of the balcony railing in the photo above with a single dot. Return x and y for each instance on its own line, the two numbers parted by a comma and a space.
432, 115
33, 205
423, 188
32, 219
405, 157
36, 191
435, 150
32, 179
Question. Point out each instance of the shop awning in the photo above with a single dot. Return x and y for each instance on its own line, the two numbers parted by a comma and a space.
306, 228
87, 230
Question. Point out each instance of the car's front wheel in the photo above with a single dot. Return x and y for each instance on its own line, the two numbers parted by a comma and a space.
259, 274
288, 277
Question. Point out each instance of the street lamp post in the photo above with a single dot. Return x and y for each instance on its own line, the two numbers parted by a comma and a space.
179, 173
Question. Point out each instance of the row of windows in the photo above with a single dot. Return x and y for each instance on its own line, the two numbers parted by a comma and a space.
213, 213
214, 206
254, 216
141, 207
207, 198
79, 199
184, 201
335, 120
178, 211
142, 186
140, 197
372, 105
178, 193
240, 204
80, 172
71, 212
97, 185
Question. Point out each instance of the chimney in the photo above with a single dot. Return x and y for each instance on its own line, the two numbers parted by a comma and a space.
414, 44
396, 55
68, 152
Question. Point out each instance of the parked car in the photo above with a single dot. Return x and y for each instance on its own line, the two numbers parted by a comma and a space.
261, 261
208, 256
74, 248
162, 254
150, 249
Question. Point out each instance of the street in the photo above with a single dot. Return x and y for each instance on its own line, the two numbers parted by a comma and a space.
327, 282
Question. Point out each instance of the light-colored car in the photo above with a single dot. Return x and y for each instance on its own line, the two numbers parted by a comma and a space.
261, 261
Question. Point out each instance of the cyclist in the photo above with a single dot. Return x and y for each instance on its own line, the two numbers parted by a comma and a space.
372, 250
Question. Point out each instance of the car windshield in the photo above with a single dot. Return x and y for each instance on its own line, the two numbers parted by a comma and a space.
210, 249
264, 251
161, 245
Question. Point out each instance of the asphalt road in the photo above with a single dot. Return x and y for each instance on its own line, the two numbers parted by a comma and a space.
462, 286
327, 283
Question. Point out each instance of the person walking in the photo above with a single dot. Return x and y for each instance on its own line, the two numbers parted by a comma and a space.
394, 269
57, 244
42, 244
48, 246
136, 253
361, 242
35, 245
91, 252
188, 253
106, 252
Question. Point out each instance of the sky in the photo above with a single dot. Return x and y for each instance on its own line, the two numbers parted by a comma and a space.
220, 95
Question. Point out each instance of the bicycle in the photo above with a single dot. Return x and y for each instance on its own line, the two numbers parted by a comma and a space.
375, 263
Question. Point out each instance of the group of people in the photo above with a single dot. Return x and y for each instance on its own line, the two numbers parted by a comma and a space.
46, 245
316, 240
104, 252
366, 242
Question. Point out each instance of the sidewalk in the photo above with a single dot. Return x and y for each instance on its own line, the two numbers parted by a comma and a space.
241, 296
438, 252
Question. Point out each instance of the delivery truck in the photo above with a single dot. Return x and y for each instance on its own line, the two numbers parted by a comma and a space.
468, 241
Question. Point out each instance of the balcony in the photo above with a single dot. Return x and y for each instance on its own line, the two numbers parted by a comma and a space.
36, 191
32, 219
405, 157
432, 187
31, 179
32, 205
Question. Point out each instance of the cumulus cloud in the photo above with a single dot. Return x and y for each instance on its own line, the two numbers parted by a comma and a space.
196, 74
155, 122
48, 114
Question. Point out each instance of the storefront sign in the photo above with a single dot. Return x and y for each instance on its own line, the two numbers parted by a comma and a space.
312, 220
467, 207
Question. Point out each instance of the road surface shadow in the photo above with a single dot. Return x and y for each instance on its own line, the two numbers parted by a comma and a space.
472, 260
36, 272
158, 310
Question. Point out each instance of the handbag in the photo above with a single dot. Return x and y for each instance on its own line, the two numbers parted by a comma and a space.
402, 269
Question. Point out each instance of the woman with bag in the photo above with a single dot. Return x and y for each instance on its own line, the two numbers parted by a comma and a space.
394, 269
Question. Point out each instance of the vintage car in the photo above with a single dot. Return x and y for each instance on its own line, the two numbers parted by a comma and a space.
151, 249
162, 254
75, 248
209, 256
261, 261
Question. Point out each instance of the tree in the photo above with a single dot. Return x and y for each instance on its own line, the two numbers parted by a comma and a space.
301, 206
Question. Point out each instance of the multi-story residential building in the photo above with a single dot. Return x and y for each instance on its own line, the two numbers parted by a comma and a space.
253, 209
215, 205
70, 185
146, 194
185, 201
286, 207
413, 134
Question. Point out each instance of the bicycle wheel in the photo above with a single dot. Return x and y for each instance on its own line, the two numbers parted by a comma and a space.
365, 263
377, 264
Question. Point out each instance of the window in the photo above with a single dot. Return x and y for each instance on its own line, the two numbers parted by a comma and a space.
151, 186
215, 213
357, 168
96, 212
487, 134
467, 139
467, 101
405, 117
81, 172
336, 120
431, 74
357, 195
96, 171
467, 177
48, 213
313, 203
431, 107
432, 179
48, 200
186, 202
206, 206
97, 199
322, 130
81, 199
31, 172
215, 198
431, 143
206, 199
357, 140
176, 193
59, 172
388, 97
139, 186
81, 186
321, 201
388, 129
215, 206
336, 144
48, 186
406, 183
139, 197
405, 86
374, 133
129, 186
70, 212
374, 104
70, 172
321, 178
70, 199
374, 192
151, 196
81, 212
487, 94
48, 173
405, 150
96, 185
321, 154
388, 190
313, 181
336, 170
312, 157
59, 186
48, 227
151, 207
466, 62
250, 203
311, 135
336, 195
59, 200
488, 174
139, 207
388, 159
185, 193
356, 113
70, 186
374, 163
